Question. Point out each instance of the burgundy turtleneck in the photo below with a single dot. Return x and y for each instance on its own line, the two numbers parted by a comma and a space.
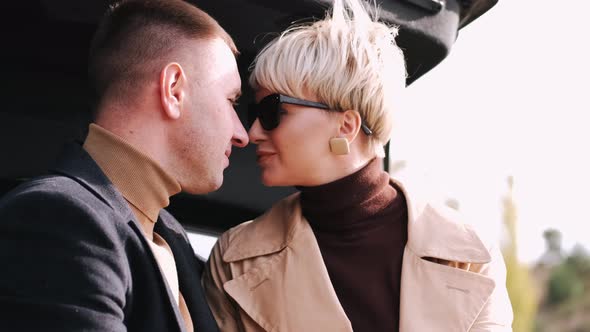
360, 222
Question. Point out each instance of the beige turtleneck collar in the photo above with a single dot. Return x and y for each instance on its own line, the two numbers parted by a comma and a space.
143, 183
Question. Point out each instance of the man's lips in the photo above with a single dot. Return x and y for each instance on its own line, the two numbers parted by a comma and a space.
227, 154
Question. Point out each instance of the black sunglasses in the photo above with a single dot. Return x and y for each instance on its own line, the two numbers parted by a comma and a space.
268, 110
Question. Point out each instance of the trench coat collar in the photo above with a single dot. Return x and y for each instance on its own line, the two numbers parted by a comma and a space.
438, 231
267, 234
433, 231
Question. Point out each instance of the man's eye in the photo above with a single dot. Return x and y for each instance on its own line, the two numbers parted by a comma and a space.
234, 102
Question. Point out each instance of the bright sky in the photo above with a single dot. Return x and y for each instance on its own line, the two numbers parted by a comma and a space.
510, 99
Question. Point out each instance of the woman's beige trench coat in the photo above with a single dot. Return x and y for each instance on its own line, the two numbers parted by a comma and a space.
268, 275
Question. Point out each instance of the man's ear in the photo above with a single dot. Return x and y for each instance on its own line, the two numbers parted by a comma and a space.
173, 84
350, 124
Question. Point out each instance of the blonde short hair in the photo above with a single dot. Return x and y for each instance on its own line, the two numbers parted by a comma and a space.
349, 61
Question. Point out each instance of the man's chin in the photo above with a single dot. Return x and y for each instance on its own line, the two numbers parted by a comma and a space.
215, 184
204, 187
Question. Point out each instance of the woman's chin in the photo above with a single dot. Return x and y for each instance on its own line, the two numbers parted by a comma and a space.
270, 183
273, 181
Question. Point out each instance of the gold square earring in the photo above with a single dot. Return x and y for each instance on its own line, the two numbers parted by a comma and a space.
339, 145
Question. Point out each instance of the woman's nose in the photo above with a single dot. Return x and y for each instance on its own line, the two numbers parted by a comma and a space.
256, 132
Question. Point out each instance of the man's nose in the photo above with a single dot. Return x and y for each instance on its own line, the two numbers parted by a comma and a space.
240, 137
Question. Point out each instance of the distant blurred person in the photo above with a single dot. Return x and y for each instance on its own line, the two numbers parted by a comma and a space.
354, 249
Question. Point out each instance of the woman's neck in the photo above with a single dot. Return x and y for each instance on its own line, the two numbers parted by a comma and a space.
350, 199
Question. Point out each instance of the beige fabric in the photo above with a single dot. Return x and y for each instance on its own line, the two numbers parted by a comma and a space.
268, 275
167, 264
138, 177
147, 188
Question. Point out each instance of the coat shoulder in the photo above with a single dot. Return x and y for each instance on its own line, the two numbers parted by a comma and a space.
233, 235
51, 193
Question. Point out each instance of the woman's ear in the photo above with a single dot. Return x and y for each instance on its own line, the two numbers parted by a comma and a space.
173, 84
350, 124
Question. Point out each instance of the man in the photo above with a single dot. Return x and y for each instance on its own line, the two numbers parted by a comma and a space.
89, 246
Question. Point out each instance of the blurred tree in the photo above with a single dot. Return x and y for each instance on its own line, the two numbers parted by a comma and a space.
564, 284
566, 281
518, 281
553, 240
553, 254
580, 260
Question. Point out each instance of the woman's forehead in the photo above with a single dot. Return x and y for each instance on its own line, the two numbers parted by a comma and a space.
262, 92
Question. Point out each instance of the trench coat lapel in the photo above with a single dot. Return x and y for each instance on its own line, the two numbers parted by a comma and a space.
291, 291
437, 297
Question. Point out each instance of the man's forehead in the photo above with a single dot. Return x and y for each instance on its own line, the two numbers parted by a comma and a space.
213, 60
213, 49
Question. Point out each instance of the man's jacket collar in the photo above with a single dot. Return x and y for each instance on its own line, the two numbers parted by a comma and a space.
76, 163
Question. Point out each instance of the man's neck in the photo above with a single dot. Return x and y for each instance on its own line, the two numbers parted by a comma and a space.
143, 183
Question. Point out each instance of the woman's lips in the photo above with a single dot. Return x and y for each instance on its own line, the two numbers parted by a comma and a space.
263, 156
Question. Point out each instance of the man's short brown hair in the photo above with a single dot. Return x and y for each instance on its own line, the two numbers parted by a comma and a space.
134, 37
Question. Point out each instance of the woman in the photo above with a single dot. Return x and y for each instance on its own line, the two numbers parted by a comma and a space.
352, 250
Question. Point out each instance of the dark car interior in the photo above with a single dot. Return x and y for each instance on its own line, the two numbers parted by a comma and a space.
44, 86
